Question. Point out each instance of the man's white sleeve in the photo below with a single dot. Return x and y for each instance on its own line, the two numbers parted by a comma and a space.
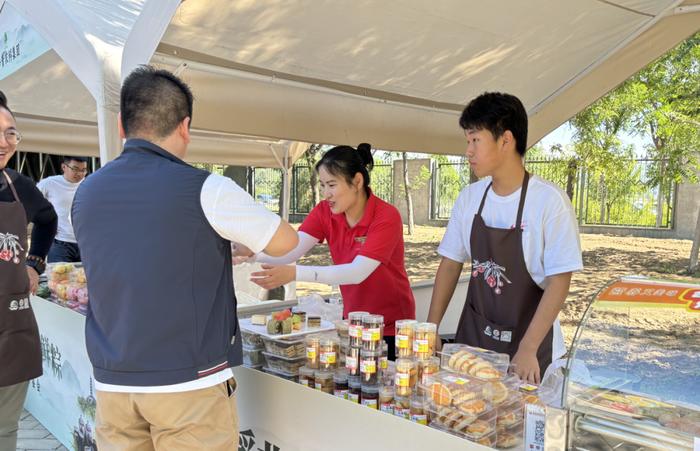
235, 215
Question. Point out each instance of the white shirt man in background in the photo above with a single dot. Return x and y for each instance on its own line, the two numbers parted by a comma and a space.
60, 190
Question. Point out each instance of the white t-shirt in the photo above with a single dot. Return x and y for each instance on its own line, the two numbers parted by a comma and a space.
234, 215
551, 243
60, 193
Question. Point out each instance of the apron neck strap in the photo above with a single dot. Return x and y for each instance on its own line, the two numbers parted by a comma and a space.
523, 192
483, 199
11, 185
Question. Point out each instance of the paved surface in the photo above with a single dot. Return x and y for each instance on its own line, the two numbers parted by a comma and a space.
32, 436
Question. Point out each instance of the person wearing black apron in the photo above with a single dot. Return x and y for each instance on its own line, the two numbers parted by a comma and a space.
20, 349
523, 246
500, 307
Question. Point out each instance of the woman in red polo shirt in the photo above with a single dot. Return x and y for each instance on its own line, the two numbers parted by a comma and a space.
365, 238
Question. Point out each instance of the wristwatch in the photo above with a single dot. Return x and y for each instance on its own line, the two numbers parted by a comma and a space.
37, 263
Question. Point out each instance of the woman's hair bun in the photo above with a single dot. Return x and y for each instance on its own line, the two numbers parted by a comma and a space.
365, 151
3, 100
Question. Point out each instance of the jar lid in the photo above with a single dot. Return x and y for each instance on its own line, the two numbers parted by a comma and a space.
373, 320
341, 375
370, 388
356, 315
370, 354
355, 381
323, 375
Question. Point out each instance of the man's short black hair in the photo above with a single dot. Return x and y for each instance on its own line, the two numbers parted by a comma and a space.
497, 112
68, 158
153, 103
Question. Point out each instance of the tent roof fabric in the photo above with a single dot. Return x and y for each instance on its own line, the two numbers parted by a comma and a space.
393, 74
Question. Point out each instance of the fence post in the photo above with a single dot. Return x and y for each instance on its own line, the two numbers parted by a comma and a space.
581, 201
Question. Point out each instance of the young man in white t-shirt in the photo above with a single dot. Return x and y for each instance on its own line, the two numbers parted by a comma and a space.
60, 190
521, 235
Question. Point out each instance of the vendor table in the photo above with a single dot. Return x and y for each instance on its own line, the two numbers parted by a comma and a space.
275, 414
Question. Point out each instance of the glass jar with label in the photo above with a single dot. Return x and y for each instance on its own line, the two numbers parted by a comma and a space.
313, 344
386, 399
324, 381
427, 368
406, 377
306, 376
369, 366
355, 328
424, 341
417, 410
384, 359
405, 333
329, 349
354, 389
369, 396
372, 332
402, 407
352, 361
340, 381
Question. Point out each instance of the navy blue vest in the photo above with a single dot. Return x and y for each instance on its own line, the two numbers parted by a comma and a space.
162, 307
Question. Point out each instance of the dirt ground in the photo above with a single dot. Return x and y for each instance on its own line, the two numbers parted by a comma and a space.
605, 258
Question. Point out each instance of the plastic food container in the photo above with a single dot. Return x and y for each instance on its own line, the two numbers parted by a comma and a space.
341, 326
511, 412
283, 364
386, 399
352, 361
445, 389
354, 389
355, 328
369, 366
306, 376
253, 356
291, 348
417, 411
509, 437
471, 424
402, 407
424, 340
488, 439
474, 362
329, 351
313, 345
403, 340
251, 339
406, 377
324, 381
282, 374
369, 396
372, 332
340, 381
427, 368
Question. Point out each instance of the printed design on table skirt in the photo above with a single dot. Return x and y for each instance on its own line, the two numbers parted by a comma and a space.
492, 272
10, 248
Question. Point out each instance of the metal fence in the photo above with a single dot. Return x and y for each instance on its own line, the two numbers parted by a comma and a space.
628, 194
267, 187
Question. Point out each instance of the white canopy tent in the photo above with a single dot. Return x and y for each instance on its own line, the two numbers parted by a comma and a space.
393, 74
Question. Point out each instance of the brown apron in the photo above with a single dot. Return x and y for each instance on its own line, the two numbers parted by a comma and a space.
502, 297
20, 348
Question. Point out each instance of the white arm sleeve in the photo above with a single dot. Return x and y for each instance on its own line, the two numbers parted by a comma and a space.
347, 274
306, 242
234, 215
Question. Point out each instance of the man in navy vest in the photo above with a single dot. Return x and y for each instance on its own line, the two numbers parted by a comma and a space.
155, 236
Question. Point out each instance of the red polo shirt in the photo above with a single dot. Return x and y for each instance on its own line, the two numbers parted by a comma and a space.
379, 236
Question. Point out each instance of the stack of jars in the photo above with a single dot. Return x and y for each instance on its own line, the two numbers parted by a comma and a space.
322, 356
366, 357
402, 395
